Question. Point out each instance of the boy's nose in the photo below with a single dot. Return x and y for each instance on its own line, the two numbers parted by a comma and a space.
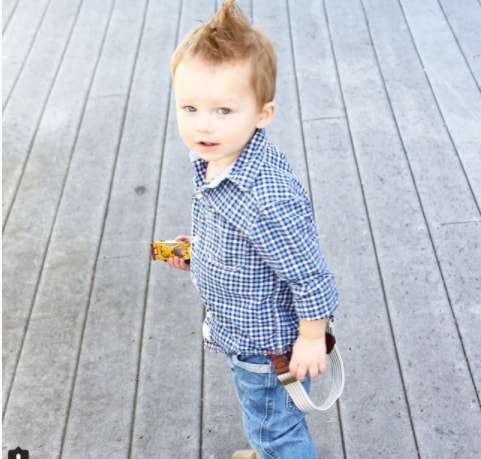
204, 123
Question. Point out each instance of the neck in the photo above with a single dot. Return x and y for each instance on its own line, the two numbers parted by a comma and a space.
214, 169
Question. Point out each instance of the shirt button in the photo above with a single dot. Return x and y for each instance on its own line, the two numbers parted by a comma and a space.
195, 239
199, 195
194, 281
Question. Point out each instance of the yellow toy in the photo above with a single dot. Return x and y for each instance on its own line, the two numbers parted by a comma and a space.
163, 250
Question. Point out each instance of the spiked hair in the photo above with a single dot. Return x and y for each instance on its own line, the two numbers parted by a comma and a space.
229, 37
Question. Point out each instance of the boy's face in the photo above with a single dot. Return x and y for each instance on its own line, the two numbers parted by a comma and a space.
217, 111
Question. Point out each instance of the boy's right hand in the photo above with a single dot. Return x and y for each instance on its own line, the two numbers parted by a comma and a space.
178, 262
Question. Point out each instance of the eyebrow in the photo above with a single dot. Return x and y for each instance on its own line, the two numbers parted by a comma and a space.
218, 103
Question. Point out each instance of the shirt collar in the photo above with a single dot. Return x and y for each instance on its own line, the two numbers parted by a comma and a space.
243, 172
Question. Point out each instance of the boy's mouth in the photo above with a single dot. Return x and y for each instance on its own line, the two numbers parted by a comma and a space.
207, 144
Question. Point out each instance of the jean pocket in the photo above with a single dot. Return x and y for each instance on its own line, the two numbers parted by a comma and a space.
253, 363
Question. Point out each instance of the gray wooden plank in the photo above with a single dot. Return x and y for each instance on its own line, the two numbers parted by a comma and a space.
440, 178
441, 182
464, 17
315, 67
427, 344
106, 377
38, 406
22, 116
373, 398
34, 211
458, 247
21, 23
169, 402
8, 10
168, 415
126, 237
454, 86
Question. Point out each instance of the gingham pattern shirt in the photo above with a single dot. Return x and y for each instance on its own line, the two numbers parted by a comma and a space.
255, 258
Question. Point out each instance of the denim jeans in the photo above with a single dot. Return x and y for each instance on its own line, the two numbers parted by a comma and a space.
275, 427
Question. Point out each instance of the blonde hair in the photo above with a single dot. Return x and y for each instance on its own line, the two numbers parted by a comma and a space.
229, 36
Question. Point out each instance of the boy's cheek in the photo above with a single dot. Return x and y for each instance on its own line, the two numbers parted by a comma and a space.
184, 125
184, 134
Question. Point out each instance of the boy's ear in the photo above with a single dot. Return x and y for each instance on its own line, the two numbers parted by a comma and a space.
266, 115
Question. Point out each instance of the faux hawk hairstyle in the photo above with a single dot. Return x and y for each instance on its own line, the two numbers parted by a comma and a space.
228, 37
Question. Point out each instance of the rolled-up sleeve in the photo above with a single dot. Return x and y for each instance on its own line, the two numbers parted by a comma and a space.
286, 239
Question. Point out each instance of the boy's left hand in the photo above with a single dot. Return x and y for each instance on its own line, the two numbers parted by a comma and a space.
308, 356
309, 352
178, 262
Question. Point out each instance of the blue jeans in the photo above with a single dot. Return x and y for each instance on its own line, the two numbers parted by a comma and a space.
275, 427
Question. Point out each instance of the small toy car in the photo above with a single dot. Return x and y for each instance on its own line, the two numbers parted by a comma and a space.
163, 250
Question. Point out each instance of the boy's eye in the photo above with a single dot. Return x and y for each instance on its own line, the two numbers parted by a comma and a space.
224, 111
189, 108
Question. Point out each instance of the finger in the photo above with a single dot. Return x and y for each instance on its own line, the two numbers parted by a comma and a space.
174, 262
182, 237
297, 371
178, 262
301, 374
293, 368
314, 371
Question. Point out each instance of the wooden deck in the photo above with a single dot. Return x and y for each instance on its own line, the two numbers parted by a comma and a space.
379, 111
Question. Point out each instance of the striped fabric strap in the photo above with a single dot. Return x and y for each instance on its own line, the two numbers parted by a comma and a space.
295, 388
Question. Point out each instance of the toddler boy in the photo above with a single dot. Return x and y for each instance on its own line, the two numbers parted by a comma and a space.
255, 257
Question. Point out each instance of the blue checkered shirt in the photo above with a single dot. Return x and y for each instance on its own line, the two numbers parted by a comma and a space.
255, 260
